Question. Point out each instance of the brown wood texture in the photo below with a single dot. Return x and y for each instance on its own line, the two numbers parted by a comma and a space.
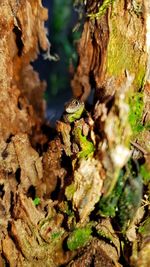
112, 50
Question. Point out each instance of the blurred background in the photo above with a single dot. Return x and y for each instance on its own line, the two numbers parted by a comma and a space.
62, 19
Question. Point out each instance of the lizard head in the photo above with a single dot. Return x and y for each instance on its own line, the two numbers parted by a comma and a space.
74, 105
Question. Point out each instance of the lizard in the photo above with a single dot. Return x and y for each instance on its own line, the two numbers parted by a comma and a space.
78, 128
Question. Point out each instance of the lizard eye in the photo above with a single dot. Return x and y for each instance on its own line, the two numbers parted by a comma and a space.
76, 102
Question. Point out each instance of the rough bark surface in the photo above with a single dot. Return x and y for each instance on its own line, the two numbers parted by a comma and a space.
49, 200
21, 113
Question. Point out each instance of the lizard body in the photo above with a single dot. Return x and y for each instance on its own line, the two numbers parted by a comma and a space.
73, 117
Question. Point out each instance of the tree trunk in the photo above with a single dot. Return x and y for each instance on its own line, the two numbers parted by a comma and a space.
79, 202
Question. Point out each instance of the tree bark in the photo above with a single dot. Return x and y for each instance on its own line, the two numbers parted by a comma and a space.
50, 200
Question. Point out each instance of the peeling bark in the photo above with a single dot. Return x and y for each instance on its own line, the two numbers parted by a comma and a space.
50, 212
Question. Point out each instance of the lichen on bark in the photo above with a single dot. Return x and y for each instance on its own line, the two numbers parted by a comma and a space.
55, 192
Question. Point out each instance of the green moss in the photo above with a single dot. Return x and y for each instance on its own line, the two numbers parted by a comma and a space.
144, 229
105, 235
87, 147
108, 205
70, 190
36, 201
145, 173
102, 9
119, 59
129, 201
136, 109
121, 54
56, 235
79, 237
140, 77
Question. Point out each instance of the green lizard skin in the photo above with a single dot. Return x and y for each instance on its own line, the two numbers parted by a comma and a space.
73, 110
